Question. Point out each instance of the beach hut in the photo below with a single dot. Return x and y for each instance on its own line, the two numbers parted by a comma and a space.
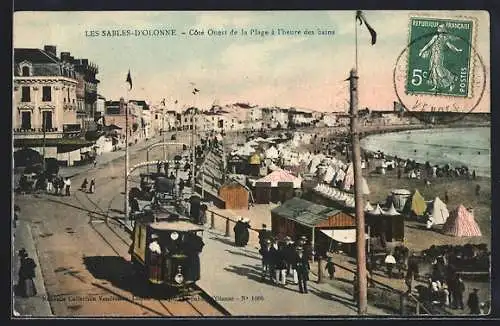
235, 195
399, 198
297, 217
461, 223
393, 224
262, 192
438, 212
416, 206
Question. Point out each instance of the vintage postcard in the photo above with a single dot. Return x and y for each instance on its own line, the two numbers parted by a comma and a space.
251, 163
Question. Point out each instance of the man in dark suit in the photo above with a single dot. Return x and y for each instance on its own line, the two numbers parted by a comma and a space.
266, 259
264, 235
301, 264
473, 302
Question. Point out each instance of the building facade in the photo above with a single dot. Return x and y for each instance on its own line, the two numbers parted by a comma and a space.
45, 105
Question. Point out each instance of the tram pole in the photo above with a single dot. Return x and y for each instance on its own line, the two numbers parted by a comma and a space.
126, 158
360, 217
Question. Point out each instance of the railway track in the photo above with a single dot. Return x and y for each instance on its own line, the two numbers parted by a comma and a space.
195, 302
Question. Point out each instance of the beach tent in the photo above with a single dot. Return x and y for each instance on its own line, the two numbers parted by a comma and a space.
461, 223
376, 211
272, 153
391, 211
416, 205
438, 212
349, 177
364, 187
281, 176
368, 207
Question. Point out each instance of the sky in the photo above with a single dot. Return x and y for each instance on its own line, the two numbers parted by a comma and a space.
303, 71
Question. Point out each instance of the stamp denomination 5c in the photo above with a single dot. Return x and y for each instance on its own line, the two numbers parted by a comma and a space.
439, 58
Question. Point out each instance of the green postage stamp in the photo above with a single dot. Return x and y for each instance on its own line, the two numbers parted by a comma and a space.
439, 56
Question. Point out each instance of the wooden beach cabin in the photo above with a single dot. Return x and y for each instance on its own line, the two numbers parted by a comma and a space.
235, 195
321, 225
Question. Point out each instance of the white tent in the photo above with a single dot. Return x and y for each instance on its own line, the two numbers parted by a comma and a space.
364, 187
438, 212
344, 236
272, 153
368, 207
330, 172
391, 211
377, 210
349, 177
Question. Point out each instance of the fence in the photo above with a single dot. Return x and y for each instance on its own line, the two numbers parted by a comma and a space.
226, 224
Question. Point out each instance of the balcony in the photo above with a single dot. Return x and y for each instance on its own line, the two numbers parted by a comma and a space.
34, 130
69, 106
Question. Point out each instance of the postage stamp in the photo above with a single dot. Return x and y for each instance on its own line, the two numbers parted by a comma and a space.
439, 56
203, 164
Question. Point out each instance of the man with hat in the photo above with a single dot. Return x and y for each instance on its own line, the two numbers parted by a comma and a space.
289, 257
301, 264
473, 302
155, 259
245, 235
264, 234
265, 251
238, 228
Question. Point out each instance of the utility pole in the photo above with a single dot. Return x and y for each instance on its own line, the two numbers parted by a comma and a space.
358, 195
193, 152
126, 156
163, 131
43, 142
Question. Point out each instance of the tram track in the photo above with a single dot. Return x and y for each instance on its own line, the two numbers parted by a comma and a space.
167, 304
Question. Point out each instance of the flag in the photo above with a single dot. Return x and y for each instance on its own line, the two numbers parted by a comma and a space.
361, 17
129, 79
163, 102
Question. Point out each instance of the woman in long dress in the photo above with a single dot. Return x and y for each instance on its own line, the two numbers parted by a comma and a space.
439, 75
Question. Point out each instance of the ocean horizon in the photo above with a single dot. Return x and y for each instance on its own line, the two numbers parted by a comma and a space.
455, 146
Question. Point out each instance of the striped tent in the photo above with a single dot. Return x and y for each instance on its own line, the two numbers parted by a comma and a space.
281, 176
461, 223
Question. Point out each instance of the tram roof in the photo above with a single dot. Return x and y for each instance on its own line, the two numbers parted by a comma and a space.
181, 226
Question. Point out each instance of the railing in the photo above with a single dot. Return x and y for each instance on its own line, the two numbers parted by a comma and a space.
35, 130
224, 223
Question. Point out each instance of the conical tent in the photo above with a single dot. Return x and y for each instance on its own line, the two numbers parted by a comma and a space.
416, 204
368, 207
376, 211
461, 223
364, 187
391, 211
272, 153
349, 177
438, 212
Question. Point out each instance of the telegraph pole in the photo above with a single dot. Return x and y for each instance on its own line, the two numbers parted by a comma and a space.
126, 157
163, 132
193, 152
358, 195
43, 148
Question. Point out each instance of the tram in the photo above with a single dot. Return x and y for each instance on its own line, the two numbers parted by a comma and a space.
165, 243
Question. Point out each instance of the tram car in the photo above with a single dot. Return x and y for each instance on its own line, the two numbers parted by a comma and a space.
165, 248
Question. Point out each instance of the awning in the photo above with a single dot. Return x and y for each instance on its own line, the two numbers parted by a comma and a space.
344, 235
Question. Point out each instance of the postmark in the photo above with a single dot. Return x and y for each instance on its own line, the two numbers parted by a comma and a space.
440, 70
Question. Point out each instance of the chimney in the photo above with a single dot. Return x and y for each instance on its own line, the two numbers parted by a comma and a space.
66, 56
50, 49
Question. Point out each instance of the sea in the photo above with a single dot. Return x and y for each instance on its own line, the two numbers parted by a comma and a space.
455, 146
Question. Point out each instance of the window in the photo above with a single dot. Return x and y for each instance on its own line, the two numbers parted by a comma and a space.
47, 119
25, 120
25, 94
46, 94
68, 95
156, 116
113, 110
26, 71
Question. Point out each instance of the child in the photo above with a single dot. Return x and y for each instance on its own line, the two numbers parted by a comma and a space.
92, 186
330, 267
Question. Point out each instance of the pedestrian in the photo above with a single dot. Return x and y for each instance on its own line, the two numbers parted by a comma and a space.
390, 261
181, 187
473, 302
446, 295
245, 234
274, 259
330, 267
95, 162
458, 300
265, 252
67, 186
26, 274
478, 190
446, 199
92, 186
50, 185
84, 185
290, 256
302, 267
237, 232
264, 235
474, 174
399, 173
280, 266
56, 185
